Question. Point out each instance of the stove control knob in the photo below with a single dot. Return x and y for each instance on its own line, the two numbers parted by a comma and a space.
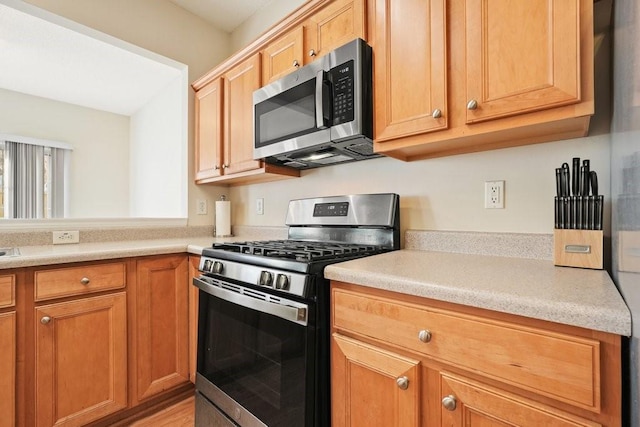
282, 282
265, 279
217, 267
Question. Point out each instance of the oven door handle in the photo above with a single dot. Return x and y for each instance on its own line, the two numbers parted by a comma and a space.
297, 314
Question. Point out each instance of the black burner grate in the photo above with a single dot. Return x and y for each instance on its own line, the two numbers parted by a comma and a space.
298, 250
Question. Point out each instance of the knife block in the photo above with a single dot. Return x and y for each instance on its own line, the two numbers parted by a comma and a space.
578, 248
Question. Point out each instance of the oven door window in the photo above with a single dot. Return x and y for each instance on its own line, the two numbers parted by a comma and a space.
260, 360
286, 115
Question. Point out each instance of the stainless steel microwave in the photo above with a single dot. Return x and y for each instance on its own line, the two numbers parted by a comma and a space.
320, 114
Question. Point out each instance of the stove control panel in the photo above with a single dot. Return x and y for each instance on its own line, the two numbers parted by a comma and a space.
289, 282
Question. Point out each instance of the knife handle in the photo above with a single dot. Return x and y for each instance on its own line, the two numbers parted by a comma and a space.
556, 211
586, 176
575, 177
599, 210
558, 182
593, 179
579, 212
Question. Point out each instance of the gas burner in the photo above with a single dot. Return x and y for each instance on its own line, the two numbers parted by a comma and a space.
298, 250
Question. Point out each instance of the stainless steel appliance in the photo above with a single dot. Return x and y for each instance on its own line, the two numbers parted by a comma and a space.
263, 315
320, 114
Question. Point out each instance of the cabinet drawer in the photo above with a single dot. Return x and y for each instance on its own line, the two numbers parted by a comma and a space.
69, 281
560, 366
7, 290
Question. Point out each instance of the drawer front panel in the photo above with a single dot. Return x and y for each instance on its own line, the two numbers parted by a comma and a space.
7, 291
69, 281
560, 366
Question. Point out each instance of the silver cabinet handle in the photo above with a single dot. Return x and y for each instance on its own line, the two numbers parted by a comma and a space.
312, 52
424, 335
403, 382
472, 105
296, 63
45, 320
85, 280
449, 402
437, 113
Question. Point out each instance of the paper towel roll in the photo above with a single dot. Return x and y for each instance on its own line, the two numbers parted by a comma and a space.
223, 218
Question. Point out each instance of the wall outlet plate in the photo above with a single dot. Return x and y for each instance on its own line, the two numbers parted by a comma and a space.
66, 237
494, 194
202, 207
260, 206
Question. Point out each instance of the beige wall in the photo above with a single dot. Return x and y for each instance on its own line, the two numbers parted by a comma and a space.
262, 20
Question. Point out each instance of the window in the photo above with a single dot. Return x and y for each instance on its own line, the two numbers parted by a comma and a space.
32, 178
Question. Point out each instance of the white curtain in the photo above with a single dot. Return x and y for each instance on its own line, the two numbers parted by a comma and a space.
25, 175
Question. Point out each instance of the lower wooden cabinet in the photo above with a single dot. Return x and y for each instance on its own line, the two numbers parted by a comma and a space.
472, 404
7, 369
372, 386
80, 360
159, 325
400, 360
194, 262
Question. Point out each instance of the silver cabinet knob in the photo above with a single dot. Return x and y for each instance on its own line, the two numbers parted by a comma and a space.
45, 320
424, 335
403, 382
224, 166
472, 105
312, 52
449, 402
216, 167
85, 280
437, 113
296, 63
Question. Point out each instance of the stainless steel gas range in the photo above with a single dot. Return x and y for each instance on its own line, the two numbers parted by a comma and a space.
263, 316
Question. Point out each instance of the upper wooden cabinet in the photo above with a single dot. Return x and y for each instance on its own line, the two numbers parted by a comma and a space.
224, 129
283, 55
410, 77
337, 23
208, 123
521, 57
467, 75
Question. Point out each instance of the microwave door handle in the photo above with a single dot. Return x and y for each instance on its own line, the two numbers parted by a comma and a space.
322, 94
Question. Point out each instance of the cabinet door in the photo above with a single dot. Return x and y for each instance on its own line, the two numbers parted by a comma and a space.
161, 324
239, 84
471, 404
194, 262
7, 369
331, 27
521, 56
208, 125
81, 360
409, 68
372, 387
282, 56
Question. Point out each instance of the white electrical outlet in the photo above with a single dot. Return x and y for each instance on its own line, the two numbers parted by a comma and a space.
260, 206
494, 194
65, 237
202, 207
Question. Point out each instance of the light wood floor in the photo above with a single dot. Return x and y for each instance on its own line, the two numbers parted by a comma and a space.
179, 415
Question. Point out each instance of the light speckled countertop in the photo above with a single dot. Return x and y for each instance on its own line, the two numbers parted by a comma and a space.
532, 288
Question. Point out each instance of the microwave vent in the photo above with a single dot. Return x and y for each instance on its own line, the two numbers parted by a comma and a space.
364, 149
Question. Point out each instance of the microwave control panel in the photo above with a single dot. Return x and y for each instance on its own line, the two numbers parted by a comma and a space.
343, 80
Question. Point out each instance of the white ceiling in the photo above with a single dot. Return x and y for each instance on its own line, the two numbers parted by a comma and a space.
49, 60
223, 14
51, 57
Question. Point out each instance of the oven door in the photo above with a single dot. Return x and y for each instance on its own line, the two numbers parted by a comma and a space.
256, 355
